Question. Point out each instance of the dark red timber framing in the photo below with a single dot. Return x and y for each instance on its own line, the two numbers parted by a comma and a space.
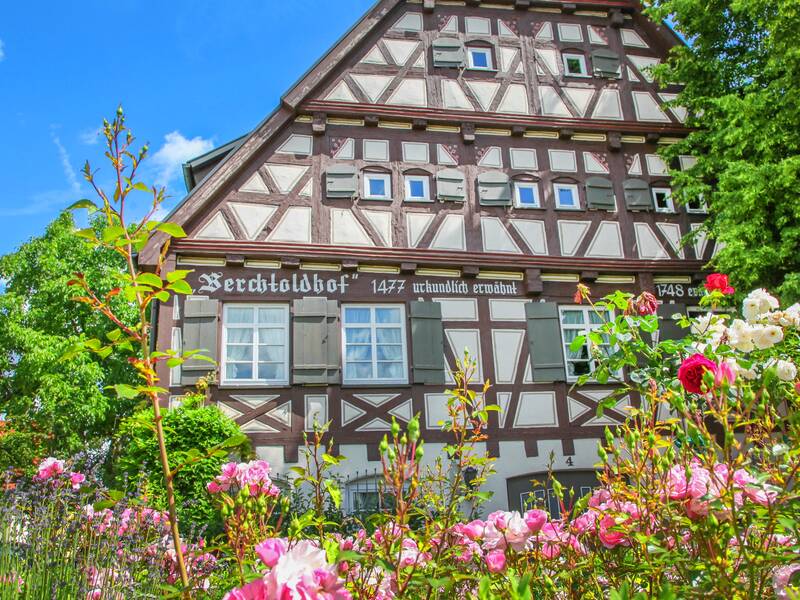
442, 179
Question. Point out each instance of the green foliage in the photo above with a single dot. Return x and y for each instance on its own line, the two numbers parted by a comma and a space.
741, 72
55, 406
199, 439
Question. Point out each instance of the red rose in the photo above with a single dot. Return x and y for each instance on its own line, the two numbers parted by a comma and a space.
691, 371
646, 304
718, 281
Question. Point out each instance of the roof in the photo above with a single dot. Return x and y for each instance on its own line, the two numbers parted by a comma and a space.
236, 154
190, 167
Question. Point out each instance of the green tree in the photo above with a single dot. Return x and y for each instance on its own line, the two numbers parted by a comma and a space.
198, 436
741, 71
55, 406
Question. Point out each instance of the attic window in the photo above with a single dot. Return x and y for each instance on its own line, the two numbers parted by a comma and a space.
377, 186
600, 194
566, 195
448, 52
417, 188
526, 194
662, 199
480, 58
494, 189
606, 63
341, 182
575, 65
450, 185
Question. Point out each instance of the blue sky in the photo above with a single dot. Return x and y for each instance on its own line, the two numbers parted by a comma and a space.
191, 75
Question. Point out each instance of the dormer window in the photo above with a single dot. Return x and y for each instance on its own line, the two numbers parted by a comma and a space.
575, 65
479, 58
377, 186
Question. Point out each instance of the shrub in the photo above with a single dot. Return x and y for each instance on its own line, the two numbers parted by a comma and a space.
199, 438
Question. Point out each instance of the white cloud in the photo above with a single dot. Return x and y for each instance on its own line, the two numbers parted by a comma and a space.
90, 136
2, 51
66, 165
176, 151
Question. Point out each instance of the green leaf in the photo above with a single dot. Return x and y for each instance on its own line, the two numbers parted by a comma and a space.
150, 279
180, 287
177, 274
83, 203
112, 233
125, 391
172, 229
334, 491
577, 343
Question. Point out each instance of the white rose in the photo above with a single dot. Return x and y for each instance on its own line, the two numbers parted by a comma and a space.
786, 370
740, 336
766, 336
710, 325
757, 303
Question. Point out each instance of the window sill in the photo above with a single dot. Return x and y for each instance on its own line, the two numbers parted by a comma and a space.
369, 384
578, 75
252, 384
520, 207
418, 200
379, 199
569, 208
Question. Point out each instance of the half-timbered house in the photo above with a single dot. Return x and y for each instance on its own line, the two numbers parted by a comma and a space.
441, 179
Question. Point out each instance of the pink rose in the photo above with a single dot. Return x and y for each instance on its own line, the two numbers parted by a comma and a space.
496, 561
599, 496
270, 550
50, 467
609, 532
499, 519
725, 374
645, 304
76, 479
255, 590
691, 371
473, 530
535, 520
551, 538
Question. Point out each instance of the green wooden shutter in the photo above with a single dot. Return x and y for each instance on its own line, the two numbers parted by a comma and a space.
544, 341
668, 328
316, 344
427, 343
200, 332
600, 194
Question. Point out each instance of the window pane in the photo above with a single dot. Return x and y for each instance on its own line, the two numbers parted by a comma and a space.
377, 187
480, 58
356, 315
388, 335
359, 370
386, 352
271, 353
566, 197
572, 317
416, 188
275, 337
387, 315
359, 353
240, 353
526, 195
271, 371
240, 314
240, 336
574, 65
238, 371
597, 319
576, 369
358, 335
271, 315
392, 370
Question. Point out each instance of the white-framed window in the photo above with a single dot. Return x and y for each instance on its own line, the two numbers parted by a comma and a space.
480, 58
577, 321
374, 343
575, 65
566, 195
418, 188
377, 186
697, 205
526, 194
255, 346
662, 200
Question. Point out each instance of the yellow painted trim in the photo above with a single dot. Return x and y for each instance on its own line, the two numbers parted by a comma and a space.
561, 277
343, 121
616, 279
389, 269
633, 139
490, 131
672, 279
591, 13
431, 272
262, 264
394, 125
445, 128
312, 266
545, 135
507, 275
555, 11
669, 140
201, 261
589, 137
304, 119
